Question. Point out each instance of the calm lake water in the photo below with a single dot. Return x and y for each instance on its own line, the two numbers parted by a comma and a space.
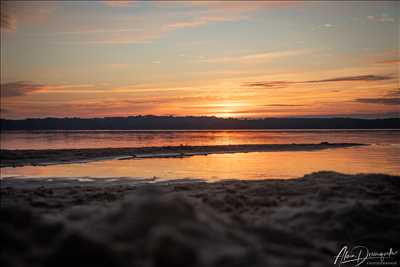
381, 156
100, 139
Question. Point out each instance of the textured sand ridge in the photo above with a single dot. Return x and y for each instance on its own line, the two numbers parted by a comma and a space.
300, 222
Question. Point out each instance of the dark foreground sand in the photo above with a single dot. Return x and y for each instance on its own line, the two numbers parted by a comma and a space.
300, 222
14, 158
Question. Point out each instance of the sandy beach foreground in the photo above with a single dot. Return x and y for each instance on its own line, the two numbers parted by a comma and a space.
299, 222
14, 158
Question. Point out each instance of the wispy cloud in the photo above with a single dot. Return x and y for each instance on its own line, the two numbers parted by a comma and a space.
269, 84
99, 31
241, 6
7, 20
392, 98
380, 101
390, 61
257, 57
283, 105
260, 112
117, 3
283, 84
117, 66
198, 14
395, 92
22, 88
67, 88
4, 111
381, 18
215, 11
15, 12
19, 88
366, 78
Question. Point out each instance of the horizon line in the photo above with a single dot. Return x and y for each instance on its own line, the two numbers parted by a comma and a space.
214, 117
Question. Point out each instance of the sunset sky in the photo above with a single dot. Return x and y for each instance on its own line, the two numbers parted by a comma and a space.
225, 59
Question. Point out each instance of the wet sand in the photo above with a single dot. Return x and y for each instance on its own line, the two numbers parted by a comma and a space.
15, 158
299, 222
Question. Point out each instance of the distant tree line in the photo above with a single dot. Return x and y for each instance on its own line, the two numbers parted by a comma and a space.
150, 122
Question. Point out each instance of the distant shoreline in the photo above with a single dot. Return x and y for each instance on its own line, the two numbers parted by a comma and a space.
18, 158
151, 122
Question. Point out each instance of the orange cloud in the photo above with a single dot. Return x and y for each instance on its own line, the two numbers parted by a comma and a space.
390, 61
118, 3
